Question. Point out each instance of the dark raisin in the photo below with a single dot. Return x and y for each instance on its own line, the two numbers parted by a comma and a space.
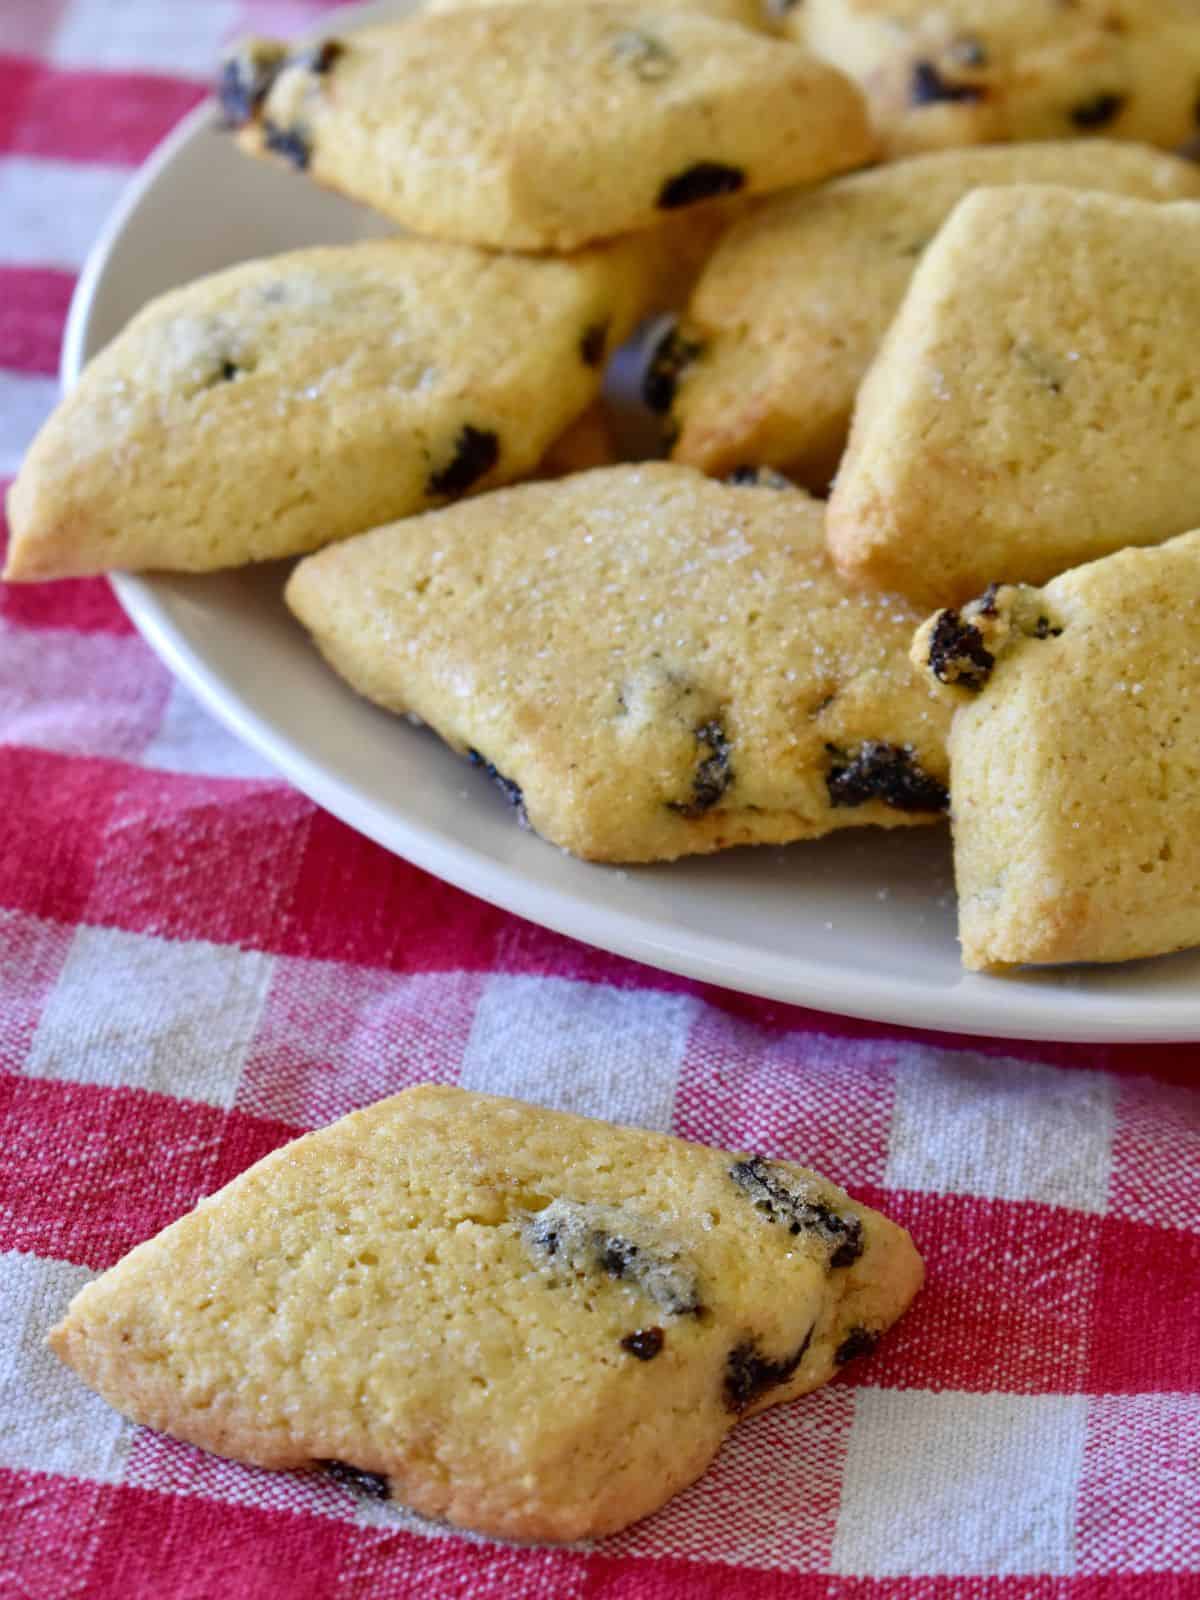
510, 790
673, 355
749, 1375
616, 1256
371, 1484
927, 87
704, 181
593, 344
476, 452
228, 370
749, 477
287, 142
1098, 112
1043, 630
886, 772
858, 1342
957, 653
586, 1240
245, 80
323, 57
969, 51
712, 776
645, 1344
799, 1212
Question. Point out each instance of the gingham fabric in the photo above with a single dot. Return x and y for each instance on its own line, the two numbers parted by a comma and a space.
196, 964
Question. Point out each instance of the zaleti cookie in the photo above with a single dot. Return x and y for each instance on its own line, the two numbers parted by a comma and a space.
528, 1323
974, 71
1035, 403
544, 127
283, 403
749, 13
790, 310
1074, 757
649, 663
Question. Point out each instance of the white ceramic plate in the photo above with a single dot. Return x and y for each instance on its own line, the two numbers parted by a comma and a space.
861, 923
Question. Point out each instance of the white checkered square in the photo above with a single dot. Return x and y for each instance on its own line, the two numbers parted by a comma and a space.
52, 1423
32, 953
146, 1013
53, 211
1001, 1129
960, 1484
188, 739
78, 693
182, 38
600, 1051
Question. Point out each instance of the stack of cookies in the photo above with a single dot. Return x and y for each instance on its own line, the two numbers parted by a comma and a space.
886, 390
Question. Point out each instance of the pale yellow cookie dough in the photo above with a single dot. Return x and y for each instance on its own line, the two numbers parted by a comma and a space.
283, 403
528, 1323
748, 13
791, 309
974, 71
651, 664
1075, 760
1035, 403
544, 127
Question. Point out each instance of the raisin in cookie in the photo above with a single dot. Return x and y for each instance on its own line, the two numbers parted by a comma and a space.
532, 1324
975, 71
1074, 758
1034, 404
536, 126
283, 403
788, 314
650, 664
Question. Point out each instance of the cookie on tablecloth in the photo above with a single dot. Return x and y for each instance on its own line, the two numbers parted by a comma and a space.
974, 71
283, 403
1035, 403
537, 126
649, 663
1074, 759
790, 311
533, 1324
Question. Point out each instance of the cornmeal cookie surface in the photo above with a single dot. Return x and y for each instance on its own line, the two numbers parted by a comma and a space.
528, 1323
544, 127
791, 309
749, 13
283, 403
649, 663
1034, 404
975, 71
1074, 758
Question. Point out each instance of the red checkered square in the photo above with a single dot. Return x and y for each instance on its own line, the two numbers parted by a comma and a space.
335, 1037
769, 1500
86, 604
1156, 1154
31, 957
52, 827
1146, 1333
50, 1528
1142, 1451
382, 1565
800, 1096
1009, 1300
88, 1172
195, 1549
193, 858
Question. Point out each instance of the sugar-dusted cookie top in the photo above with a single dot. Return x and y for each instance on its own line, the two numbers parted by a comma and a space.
1075, 754
973, 71
650, 662
748, 13
790, 310
1035, 402
283, 403
541, 126
533, 1324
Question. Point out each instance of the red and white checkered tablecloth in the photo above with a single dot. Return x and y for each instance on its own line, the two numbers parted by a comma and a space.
196, 964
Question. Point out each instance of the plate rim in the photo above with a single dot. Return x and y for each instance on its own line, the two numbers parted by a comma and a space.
978, 1006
